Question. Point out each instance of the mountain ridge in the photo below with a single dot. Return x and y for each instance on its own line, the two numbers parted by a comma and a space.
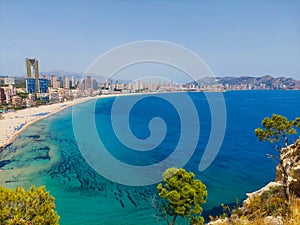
266, 81
256, 82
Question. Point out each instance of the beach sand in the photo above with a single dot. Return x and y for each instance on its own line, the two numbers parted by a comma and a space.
14, 123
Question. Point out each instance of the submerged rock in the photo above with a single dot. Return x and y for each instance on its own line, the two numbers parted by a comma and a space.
5, 162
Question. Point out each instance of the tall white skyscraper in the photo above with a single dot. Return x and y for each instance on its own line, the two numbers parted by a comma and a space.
66, 82
73, 81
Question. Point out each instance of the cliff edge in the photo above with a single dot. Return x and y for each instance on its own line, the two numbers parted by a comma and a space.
270, 205
290, 160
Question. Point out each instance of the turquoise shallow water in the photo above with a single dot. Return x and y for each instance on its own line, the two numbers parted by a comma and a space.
47, 154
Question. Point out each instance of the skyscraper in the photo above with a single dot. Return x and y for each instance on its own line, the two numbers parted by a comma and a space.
66, 82
95, 85
60, 82
30, 85
32, 64
43, 85
87, 83
52, 80
73, 81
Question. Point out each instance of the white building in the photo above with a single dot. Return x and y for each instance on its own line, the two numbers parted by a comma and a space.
9, 81
53, 96
73, 81
66, 82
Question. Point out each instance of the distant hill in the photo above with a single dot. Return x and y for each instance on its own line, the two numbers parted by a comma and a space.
58, 72
267, 81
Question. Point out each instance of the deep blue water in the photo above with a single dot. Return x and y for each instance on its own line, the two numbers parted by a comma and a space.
47, 153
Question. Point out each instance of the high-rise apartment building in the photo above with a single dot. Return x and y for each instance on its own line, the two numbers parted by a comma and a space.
2, 95
32, 67
60, 82
52, 80
43, 86
66, 82
30, 85
95, 85
73, 82
87, 83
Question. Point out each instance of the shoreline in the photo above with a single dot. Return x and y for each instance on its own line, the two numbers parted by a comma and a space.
15, 123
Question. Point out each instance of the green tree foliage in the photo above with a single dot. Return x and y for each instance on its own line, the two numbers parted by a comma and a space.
277, 128
40, 102
22, 95
20, 207
182, 195
297, 123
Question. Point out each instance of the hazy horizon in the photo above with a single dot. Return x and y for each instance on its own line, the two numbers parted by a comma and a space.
76, 73
235, 38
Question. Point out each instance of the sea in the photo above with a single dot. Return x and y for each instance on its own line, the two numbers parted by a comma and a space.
92, 188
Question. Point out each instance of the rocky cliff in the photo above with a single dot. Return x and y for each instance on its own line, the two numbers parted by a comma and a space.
269, 205
290, 160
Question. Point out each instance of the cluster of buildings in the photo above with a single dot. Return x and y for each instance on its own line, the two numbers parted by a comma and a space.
250, 86
8, 94
42, 90
56, 89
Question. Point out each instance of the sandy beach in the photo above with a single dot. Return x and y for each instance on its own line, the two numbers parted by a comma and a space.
14, 123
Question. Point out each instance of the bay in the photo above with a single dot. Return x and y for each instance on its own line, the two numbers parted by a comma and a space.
47, 154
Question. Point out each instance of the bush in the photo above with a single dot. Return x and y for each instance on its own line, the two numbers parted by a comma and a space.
35, 206
270, 203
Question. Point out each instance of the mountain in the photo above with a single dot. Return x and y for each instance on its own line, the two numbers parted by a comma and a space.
267, 81
58, 72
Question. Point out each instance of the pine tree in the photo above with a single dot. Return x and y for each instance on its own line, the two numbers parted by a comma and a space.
276, 129
35, 206
182, 195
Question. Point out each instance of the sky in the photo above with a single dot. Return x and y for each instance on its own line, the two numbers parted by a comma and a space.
234, 38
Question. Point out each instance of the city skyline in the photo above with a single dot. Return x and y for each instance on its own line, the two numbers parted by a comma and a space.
233, 37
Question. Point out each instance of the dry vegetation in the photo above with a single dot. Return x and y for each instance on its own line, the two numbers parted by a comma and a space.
270, 208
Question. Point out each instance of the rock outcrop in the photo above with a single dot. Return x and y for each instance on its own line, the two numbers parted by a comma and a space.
290, 161
262, 190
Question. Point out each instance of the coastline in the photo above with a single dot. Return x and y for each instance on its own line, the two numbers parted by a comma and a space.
18, 170
16, 122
